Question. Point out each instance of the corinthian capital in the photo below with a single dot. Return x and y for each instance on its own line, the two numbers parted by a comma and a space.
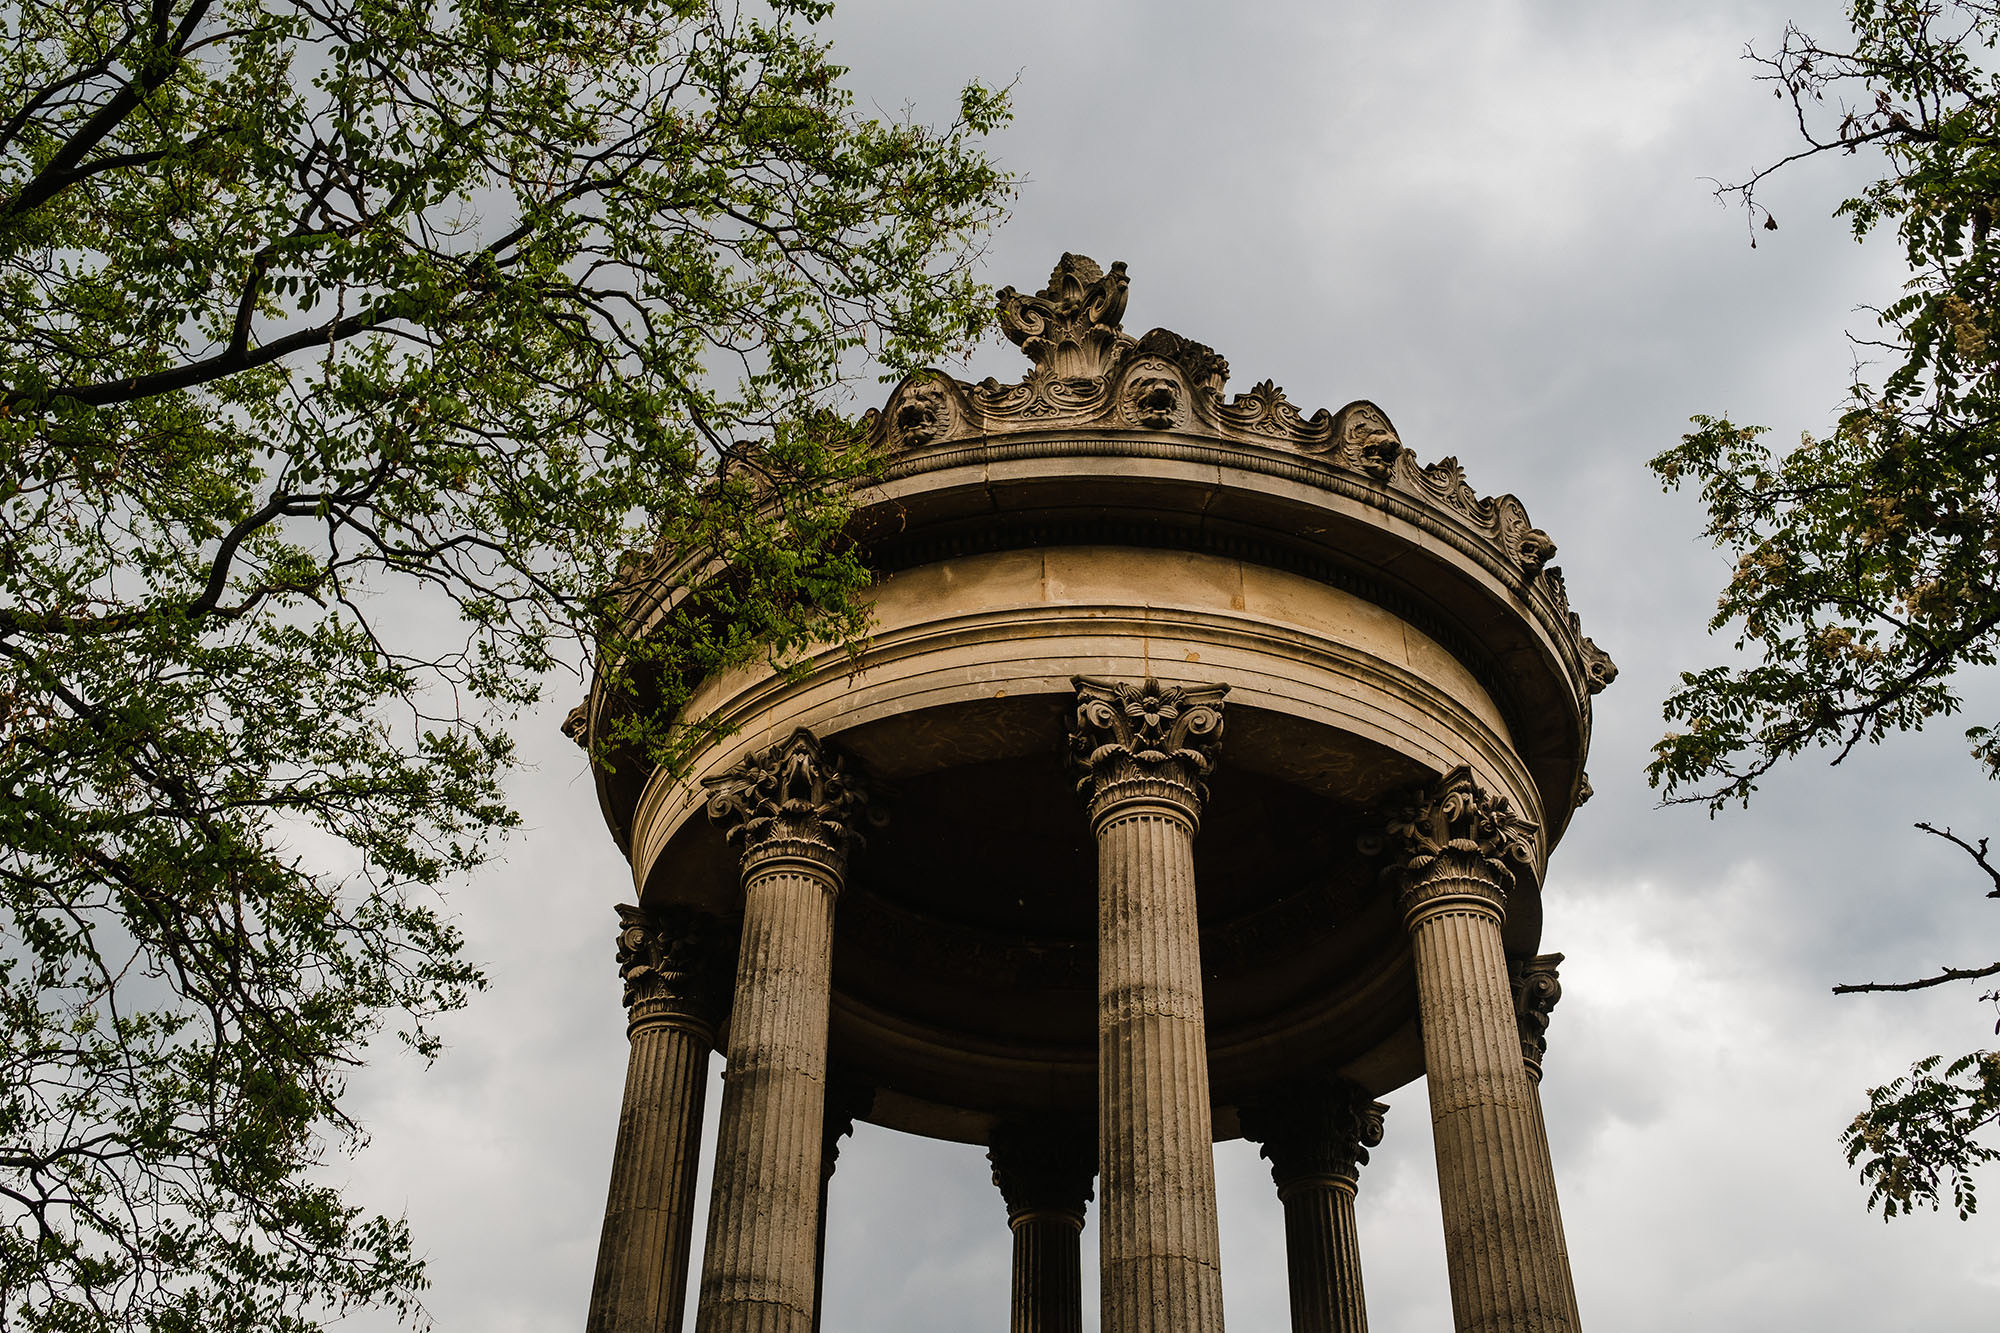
1452, 836
1314, 1129
1146, 739
1537, 987
798, 798
676, 963
1044, 1165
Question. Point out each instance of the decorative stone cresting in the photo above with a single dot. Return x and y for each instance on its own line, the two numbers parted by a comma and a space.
1043, 1169
1089, 374
1456, 850
1144, 750
793, 810
675, 964
1316, 1133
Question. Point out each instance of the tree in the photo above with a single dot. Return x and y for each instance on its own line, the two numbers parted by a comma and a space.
1867, 571
344, 347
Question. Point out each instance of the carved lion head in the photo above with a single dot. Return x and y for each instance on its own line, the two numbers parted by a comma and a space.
1154, 401
923, 415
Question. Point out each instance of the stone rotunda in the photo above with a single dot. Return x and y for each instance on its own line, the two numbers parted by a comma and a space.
1197, 782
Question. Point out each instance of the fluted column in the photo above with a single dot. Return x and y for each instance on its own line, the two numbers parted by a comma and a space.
845, 1100
1537, 985
1316, 1134
675, 963
1143, 751
1456, 848
1044, 1170
792, 810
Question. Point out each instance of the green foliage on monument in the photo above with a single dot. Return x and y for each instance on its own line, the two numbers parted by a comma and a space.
1868, 559
344, 348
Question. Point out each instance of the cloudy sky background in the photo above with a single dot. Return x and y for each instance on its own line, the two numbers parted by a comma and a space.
1490, 218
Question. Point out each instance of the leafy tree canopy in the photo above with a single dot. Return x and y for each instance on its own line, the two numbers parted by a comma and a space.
1867, 571
344, 347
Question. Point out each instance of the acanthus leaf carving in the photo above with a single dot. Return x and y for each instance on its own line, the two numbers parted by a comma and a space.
1537, 986
675, 959
1317, 1126
1455, 826
1041, 398
1168, 732
800, 794
1043, 1164
1071, 327
1266, 412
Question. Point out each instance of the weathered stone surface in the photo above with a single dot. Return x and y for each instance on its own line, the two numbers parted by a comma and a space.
793, 811
1097, 551
1143, 750
675, 965
1455, 849
1044, 1169
1316, 1133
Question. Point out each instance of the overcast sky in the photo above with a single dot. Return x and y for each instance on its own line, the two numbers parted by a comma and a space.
1492, 219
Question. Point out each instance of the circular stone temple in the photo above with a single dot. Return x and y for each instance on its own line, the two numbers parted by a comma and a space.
1196, 782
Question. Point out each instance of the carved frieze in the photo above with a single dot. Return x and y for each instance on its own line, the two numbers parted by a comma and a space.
1537, 985
1163, 736
1452, 835
799, 798
1315, 1128
675, 961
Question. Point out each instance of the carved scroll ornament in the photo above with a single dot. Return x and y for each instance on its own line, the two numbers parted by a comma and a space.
1537, 986
675, 962
1452, 835
1315, 1128
799, 797
1070, 326
1164, 734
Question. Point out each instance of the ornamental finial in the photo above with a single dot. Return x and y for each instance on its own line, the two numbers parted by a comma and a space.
1071, 327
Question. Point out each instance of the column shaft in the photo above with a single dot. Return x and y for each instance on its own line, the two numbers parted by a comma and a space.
1160, 1253
642, 1258
758, 1273
1503, 1238
675, 963
1537, 989
1323, 1256
1048, 1274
